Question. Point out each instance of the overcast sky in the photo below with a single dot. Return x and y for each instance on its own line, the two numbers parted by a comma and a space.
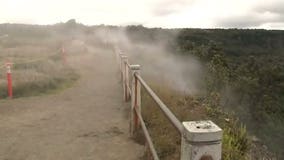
268, 14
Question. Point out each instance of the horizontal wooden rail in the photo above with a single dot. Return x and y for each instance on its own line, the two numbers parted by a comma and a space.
199, 139
147, 137
177, 124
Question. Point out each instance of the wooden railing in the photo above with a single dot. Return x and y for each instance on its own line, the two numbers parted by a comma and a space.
200, 140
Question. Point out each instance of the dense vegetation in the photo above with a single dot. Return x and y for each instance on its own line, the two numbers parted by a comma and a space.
244, 80
246, 70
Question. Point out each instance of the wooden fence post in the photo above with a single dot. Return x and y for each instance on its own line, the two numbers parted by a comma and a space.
135, 99
201, 140
125, 80
121, 65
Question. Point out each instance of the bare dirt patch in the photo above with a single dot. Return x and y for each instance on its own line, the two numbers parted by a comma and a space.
84, 122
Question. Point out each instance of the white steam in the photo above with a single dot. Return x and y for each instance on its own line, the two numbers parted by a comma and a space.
160, 66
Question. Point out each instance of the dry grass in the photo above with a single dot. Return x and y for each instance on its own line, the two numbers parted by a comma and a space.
164, 135
37, 69
236, 144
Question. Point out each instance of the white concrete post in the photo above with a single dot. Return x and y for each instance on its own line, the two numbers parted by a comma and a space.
135, 99
201, 140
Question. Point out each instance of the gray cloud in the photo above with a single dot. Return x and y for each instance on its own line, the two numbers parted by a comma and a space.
276, 7
168, 7
248, 21
261, 14
239, 22
151, 13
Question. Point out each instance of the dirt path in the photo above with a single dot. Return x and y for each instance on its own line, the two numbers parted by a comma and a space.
85, 122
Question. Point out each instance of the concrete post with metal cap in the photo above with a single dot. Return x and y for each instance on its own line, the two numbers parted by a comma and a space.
201, 140
135, 99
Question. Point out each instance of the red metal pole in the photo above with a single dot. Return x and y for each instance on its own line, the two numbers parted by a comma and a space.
9, 81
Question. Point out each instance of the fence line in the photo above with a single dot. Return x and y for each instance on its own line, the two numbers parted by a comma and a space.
200, 140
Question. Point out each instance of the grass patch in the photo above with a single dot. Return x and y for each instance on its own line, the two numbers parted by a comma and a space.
38, 67
46, 75
236, 143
